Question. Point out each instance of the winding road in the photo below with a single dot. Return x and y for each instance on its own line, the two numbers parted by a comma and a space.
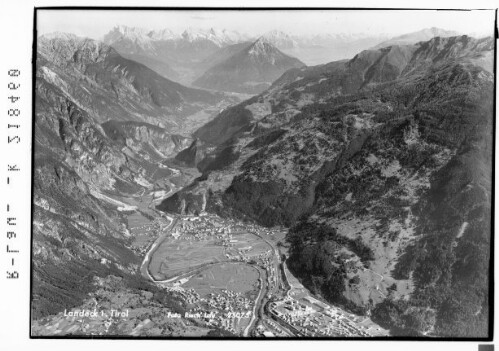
258, 312
144, 267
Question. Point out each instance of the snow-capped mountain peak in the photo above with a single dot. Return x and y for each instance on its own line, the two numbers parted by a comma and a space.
125, 32
220, 37
138, 36
144, 37
163, 34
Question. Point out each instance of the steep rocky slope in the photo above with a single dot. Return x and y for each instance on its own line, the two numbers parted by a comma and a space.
192, 155
381, 167
84, 174
250, 70
110, 87
74, 161
149, 140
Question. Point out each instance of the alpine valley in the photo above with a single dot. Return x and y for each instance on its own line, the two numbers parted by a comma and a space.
211, 183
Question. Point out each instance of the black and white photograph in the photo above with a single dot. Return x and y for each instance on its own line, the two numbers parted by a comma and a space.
237, 173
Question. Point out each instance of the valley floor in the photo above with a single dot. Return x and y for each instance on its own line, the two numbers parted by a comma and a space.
228, 274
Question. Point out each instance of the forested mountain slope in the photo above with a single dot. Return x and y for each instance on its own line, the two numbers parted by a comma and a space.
381, 167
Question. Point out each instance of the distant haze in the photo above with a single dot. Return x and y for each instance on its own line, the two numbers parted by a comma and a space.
96, 23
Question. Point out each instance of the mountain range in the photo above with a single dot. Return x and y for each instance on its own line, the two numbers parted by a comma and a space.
381, 167
109, 86
187, 56
177, 56
379, 164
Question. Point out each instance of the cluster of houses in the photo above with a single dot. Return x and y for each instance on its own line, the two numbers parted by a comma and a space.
152, 230
189, 296
200, 228
312, 322
229, 301
223, 310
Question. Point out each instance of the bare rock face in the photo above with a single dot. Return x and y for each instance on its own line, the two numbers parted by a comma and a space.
192, 155
141, 136
85, 147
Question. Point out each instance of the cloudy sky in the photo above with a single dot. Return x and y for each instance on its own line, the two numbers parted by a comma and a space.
95, 23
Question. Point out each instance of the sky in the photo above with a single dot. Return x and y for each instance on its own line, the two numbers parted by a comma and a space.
96, 23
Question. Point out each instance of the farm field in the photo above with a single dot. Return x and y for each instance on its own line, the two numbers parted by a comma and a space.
237, 277
250, 244
175, 256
